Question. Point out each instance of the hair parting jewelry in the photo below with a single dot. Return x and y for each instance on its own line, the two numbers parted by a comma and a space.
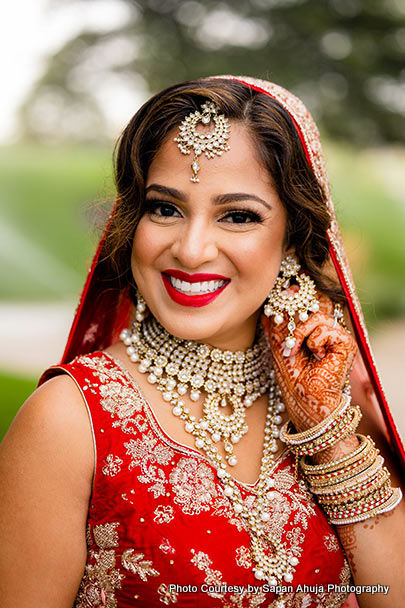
212, 144
177, 367
280, 301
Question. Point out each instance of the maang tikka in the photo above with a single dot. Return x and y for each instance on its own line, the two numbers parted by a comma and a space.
280, 301
212, 143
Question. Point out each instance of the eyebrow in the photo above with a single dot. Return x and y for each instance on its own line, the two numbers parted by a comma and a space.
220, 199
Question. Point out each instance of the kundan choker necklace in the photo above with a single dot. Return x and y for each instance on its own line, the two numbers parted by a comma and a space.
179, 367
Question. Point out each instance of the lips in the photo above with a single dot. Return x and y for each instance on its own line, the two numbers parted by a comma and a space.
193, 289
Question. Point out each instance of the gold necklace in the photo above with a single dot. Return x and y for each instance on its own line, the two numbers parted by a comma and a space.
178, 366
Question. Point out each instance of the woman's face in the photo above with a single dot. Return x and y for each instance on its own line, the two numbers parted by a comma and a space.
229, 228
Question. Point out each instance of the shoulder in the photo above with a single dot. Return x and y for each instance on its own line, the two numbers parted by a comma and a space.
52, 431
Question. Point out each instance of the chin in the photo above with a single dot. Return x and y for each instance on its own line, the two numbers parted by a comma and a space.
187, 327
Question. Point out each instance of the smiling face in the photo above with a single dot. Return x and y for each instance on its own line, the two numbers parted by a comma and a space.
205, 255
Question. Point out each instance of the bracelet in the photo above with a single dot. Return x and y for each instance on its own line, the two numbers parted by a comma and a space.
345, 497
388, 506
316, 431
350, 482
345, 427
368, 465
365, 444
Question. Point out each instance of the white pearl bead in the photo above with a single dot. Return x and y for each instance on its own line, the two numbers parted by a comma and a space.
293, 561
259, 574
182, 389
216, 437
290, 342
288, 578
314, 307
270, 482
127, 341
152, 378
273, 581
139, 316
278, 319
134, 357
271, 495
237, 508
176, 411
204, 424
194, 395
303, 316
189, 427
221, 473
124, 334
167, 396
199, 442
130, 350
170, 384
233, 461
228, 491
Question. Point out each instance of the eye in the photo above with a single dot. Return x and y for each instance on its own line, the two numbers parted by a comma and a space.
161, 208
241, 216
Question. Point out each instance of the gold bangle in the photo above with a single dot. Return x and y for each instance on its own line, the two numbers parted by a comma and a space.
372, 462
317, 430
345, 427
365, 445
349, 483
389, 505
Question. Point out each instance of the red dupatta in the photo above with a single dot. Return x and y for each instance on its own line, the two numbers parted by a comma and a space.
104, 309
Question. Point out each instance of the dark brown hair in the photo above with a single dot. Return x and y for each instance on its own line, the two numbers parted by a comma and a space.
279, 148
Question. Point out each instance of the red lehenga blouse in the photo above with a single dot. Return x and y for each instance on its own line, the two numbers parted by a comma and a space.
160, 528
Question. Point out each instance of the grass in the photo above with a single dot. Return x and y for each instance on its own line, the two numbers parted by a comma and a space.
14, 391
47, 211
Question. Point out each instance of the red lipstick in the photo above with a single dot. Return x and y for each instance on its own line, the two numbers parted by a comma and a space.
196, 300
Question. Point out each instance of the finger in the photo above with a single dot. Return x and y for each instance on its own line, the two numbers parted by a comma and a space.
335, 341
305, 328
326, 306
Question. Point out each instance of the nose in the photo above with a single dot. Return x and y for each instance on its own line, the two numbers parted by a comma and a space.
194, 244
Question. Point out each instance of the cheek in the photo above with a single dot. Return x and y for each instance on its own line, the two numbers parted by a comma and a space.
145, 246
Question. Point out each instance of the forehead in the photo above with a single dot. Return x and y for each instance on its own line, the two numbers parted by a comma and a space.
238, 167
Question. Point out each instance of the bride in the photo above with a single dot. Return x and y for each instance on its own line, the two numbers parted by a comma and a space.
213, 435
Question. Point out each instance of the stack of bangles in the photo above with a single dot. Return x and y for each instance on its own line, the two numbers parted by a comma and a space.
354, 487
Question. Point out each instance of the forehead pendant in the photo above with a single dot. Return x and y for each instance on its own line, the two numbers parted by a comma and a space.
212, 143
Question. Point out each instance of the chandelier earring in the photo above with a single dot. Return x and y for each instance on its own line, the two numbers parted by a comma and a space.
280, 301
140, 308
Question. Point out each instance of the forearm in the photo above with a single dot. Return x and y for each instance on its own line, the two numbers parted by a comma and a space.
374, 547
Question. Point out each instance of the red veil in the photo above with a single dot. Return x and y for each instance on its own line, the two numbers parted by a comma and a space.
104, 309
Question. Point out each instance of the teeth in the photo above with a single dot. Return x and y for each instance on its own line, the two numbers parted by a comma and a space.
196, 288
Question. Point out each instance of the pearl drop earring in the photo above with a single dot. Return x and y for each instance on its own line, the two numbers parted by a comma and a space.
279, 301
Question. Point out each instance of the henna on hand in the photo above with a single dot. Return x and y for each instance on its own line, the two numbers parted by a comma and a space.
312, 377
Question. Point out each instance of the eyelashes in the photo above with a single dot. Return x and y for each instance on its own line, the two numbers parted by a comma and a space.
162, 210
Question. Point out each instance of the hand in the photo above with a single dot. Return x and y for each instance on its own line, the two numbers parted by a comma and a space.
312, 377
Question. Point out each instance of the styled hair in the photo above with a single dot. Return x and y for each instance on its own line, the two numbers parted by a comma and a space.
279, 148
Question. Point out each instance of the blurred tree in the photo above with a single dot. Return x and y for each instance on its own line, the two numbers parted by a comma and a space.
345, 58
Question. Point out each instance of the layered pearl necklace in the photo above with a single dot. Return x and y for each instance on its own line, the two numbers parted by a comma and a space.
179, 367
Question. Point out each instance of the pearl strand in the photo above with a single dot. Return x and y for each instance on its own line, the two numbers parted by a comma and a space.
158, 352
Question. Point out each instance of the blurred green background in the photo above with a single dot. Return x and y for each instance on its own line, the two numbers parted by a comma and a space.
56, 179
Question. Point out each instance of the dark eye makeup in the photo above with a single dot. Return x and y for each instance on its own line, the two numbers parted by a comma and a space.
164, 209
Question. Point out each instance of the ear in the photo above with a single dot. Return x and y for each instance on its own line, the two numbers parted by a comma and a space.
288, 250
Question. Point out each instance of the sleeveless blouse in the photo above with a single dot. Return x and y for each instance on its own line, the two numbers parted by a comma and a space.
160, 530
